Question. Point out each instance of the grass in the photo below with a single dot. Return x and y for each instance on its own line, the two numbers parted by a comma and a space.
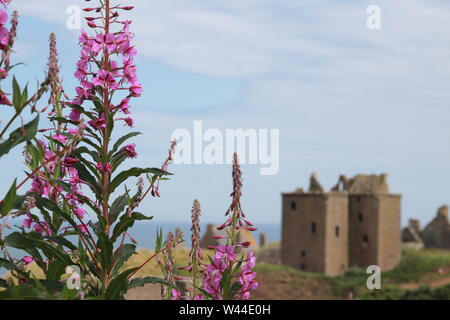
416, 264
415, 267
282, 282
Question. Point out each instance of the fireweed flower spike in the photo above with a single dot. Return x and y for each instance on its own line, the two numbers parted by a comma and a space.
77, 151
226, 256
167, 162
56, 160
195, 256
53, 72
7, 38
105, 70
167, 265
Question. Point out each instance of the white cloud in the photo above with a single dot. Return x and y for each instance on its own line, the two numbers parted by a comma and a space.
345, 98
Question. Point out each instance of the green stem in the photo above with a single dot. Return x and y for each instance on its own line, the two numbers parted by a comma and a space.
9, 124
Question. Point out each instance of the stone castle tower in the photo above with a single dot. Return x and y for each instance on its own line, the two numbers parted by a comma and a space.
357, 223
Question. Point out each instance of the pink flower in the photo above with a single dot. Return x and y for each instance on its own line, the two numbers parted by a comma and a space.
136, 90
42, 228
104, 41
73, 131
75, 115
27, 222
3, 74
69, 162
118, 72
82, 228
105, 78
225, 252
3, 16
129, 122
98, 123
5, 2
27, 260
176, 295
104, 167
130, 149
4, 100
60, 137
79, 212
124, 106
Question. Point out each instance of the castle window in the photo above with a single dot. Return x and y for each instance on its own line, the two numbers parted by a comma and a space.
365, 239
303, 253
313, 228
336, 231
360, 217
293, 205
302, 267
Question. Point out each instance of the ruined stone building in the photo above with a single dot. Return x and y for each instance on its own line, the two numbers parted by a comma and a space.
437, 233
411, 237
357, 223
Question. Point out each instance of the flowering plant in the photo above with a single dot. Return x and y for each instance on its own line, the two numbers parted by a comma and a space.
229, 274
77, 153
74, 168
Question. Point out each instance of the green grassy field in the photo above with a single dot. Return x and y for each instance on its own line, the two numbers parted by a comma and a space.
420, 275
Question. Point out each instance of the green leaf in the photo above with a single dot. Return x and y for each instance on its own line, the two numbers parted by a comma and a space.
3, 283
235, 288
63, 120
63, 242
19, 201
125, 253
17, 95
121, 140
69, 294
9, 200
158, 240
55, 209
81, 110
140, 282
55, 270
22, 134
85, 175
96, 226
92, 144
118, 159
19, 241
134, 172
95, 156
106, 247
117, 207
7, 264
24, 97
119, 285
126, 222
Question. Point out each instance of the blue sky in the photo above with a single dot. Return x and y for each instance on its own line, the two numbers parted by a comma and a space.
346, 99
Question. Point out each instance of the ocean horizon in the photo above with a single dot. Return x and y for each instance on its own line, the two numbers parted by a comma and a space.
144, 233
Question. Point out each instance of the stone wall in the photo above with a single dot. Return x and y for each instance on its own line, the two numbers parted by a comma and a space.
330, 231
309, 240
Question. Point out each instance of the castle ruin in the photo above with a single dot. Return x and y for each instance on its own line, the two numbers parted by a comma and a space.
437, 233
357, 223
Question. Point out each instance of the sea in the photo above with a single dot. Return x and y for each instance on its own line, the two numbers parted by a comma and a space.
144, 232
